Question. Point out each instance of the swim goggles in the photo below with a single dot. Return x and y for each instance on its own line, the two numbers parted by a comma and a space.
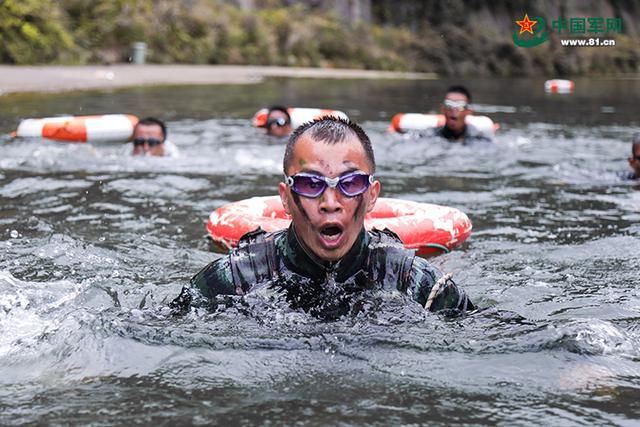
310, 185
280, 121
151, 141
450, 104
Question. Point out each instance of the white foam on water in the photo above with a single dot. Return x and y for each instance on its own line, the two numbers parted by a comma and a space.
25, 310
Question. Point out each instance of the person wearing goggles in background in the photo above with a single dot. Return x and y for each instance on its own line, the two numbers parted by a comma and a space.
150, 138
278, 121
326, 263
455, 109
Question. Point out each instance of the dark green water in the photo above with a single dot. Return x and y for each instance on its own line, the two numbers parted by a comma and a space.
94, 243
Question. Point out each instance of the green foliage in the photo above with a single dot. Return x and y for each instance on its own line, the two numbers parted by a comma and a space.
447, 37
32, 32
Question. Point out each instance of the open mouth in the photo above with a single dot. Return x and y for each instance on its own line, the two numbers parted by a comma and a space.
331, 232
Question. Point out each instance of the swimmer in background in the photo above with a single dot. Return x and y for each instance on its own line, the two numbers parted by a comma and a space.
150, 138
278, 122
456, 108
326, 262
634, 160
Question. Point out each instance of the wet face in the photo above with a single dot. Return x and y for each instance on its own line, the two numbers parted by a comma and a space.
278, 124
455, 117
634, 160
150, 134
328, 225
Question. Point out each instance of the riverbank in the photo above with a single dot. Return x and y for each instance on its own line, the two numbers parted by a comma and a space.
15, 79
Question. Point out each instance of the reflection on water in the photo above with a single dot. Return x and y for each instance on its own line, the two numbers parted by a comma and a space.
94, 243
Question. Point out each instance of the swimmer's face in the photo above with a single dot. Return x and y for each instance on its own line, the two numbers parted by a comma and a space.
634, 160
453, 116
278, 124
148, 132
328, 225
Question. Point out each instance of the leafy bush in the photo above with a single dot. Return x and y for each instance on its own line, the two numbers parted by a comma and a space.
447, 37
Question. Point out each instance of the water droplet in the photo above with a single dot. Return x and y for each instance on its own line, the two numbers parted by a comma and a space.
14, 234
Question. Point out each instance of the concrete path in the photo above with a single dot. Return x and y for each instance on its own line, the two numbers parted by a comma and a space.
62, 78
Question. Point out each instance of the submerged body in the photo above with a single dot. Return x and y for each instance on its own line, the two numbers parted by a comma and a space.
469, 135
327, 289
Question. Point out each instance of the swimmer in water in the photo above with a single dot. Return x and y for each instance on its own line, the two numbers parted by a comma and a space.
634, 160
149, 137
455, 108
326, 259
278, 122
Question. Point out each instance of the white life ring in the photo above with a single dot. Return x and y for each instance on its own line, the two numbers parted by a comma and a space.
559, 86
407, 122
109, 127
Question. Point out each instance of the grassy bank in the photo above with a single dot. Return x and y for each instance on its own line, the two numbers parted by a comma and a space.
220, 32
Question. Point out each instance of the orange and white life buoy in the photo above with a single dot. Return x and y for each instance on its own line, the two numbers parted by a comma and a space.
559, 86
109, 127
427, 228
407, 122
299, 116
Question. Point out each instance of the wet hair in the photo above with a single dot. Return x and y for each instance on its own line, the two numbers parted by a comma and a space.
150, 121
329, 130
635, 144
279, 108
460, 89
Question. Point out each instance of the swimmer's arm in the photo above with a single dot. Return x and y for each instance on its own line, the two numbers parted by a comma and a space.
215, 279
448, 296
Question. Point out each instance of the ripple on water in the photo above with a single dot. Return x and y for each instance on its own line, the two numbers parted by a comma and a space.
105, 240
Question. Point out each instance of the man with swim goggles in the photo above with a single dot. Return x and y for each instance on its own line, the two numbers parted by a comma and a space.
325, 263
455, 109
278, 121
149, 136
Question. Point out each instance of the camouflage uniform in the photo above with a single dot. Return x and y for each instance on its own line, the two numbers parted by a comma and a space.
377, 261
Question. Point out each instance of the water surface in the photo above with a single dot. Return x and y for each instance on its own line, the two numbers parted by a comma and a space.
94, 243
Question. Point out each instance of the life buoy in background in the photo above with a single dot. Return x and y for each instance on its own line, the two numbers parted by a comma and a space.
407, 122
559, 86
109, 127
427, 228
299, 116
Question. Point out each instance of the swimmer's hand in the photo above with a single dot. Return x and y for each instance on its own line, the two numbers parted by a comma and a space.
446, 298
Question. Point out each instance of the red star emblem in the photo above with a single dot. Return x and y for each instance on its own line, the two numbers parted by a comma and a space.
526, 24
